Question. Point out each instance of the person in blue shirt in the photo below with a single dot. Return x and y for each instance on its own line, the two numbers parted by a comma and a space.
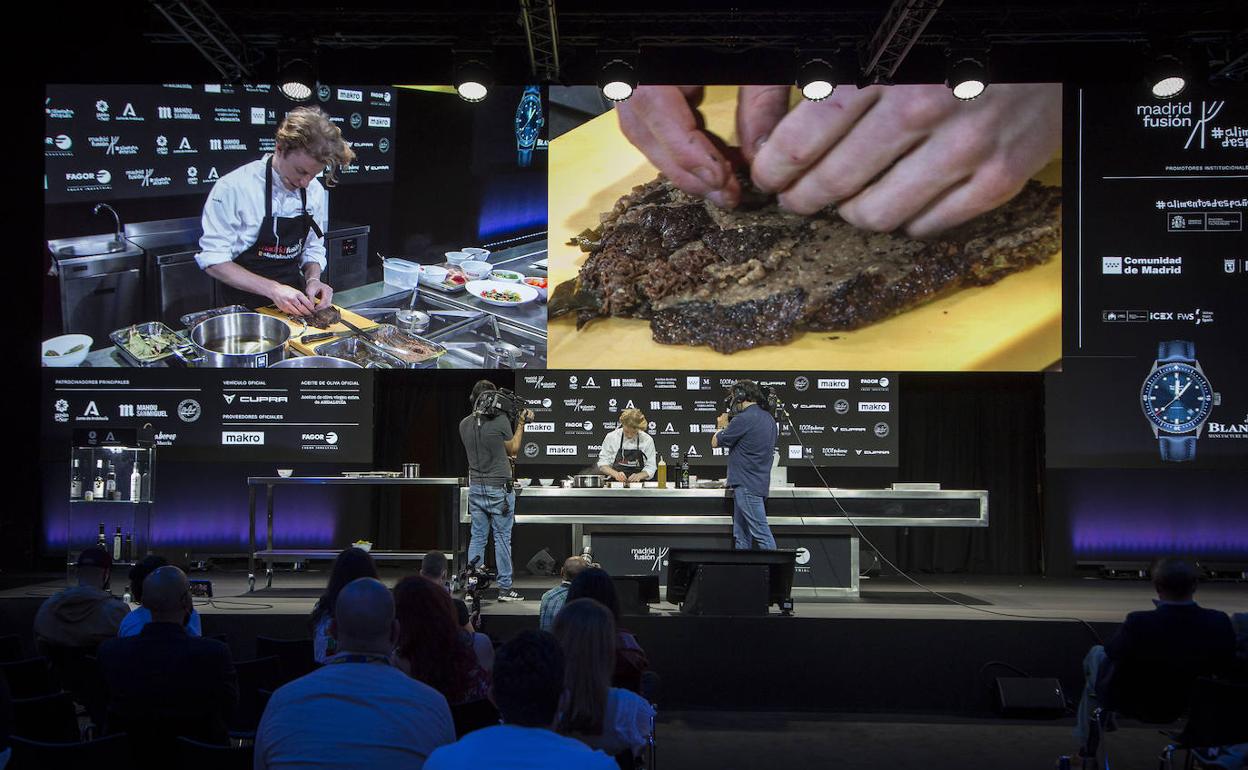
750, 435
140, 616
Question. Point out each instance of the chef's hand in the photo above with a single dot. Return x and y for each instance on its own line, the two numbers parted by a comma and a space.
909, 156
639, 476
321, 293
660, 121
290, 300
721, 422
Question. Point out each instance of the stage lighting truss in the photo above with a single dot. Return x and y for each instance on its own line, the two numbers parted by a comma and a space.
968, 76
1167, 77
617, 78
472, 78
817, 78
297, 78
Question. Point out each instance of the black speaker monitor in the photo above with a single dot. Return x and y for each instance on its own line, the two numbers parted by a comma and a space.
727, 581
636, 593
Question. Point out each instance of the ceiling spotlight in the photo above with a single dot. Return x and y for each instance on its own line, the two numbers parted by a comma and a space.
472, 79
968, 77
816, 78
617, 79
297, 79
1167, 78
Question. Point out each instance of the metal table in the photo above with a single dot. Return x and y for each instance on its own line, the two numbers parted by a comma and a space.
269, 554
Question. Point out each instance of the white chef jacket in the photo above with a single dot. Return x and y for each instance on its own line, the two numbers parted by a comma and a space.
611, 447
235, 207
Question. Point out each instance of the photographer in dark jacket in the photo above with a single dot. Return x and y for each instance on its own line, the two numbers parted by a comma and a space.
749, 432
490, 442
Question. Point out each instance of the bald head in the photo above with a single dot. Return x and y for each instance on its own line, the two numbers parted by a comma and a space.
166, 595
364, 617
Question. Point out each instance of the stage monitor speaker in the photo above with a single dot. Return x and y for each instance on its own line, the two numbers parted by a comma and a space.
636, 593
542, 563
1030, 697
728, 589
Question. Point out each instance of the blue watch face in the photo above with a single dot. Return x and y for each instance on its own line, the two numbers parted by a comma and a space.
529, 120
1176, 398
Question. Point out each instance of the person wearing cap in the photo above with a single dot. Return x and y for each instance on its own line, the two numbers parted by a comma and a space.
86, 614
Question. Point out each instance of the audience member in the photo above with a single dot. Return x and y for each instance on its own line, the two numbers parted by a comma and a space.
434, 567
630, 659
351, 564
141, 616
528, 690
358, 710
482, 645
1156, 654
433, 647
554, 599
604, 717
164, 682
85, 615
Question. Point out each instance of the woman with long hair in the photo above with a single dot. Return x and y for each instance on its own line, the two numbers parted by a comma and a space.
630, 659
351, 564
604, 717
433, 647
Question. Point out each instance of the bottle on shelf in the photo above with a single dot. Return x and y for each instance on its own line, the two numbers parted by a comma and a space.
127, 548
661, 474
102, 539
117, 541
75, 482
97, 486
146, 486
110, 483
684, 472
136, 484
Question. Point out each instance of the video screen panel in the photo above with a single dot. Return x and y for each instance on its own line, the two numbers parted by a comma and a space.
113, 142
843, 419
917, 232
1154, 372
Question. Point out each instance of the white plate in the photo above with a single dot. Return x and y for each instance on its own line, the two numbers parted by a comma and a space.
527, 293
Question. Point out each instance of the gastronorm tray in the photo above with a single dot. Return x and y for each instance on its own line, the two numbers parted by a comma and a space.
377, 337
120, 336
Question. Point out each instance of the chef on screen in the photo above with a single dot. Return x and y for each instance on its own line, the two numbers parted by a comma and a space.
628, 451
264, 222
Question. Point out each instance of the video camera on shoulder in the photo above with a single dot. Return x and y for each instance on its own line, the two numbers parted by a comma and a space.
495, 402
748, 390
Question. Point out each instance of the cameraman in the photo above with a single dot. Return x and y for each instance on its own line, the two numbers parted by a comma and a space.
490, 444
750, 433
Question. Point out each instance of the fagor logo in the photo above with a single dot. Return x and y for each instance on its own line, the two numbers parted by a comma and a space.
242, 438
803, 556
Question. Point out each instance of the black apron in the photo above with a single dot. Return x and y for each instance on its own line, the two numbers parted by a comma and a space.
629, 461
278, 248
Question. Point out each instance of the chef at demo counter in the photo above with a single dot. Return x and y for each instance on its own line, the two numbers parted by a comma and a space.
264, 222
628, 451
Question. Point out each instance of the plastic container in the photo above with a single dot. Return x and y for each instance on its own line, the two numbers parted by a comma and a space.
476, 271
401, 273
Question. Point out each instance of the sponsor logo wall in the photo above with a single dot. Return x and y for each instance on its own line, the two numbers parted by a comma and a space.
838, 419
106, 142
1160, 255
228, 415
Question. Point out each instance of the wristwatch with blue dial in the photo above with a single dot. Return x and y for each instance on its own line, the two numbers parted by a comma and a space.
529, 122
1177, 399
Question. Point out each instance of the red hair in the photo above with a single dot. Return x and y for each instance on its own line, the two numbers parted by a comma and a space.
431, 640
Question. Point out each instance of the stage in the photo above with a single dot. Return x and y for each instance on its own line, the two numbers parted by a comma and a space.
896, 649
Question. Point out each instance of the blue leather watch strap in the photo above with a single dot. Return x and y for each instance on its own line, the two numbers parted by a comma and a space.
1171, 351
1177, 449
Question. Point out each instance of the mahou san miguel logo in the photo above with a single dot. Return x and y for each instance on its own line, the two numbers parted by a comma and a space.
1198, 120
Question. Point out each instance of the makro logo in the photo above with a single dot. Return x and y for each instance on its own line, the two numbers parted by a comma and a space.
540, 427
833, 384
873, 406
242, 437
561, 450
350, 95
378, 121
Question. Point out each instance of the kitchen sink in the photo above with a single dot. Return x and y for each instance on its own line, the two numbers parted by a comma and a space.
92, 248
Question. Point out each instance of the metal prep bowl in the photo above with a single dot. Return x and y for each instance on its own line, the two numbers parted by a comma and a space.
315, 362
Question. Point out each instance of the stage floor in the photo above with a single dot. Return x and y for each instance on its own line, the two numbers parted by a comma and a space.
1094, 600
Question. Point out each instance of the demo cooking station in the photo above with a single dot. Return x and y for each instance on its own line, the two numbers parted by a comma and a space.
156, 277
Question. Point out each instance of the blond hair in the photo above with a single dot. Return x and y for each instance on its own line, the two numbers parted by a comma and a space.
633, 418
310, 129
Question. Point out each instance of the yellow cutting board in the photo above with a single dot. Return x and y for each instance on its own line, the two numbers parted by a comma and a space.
1014, 325
297, 328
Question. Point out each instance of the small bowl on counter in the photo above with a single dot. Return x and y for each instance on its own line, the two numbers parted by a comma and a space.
432, 275
285, 472
475, 270
66, 350
524, 482
509, 276
477, 253
538, 283
457, 257
546, 482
